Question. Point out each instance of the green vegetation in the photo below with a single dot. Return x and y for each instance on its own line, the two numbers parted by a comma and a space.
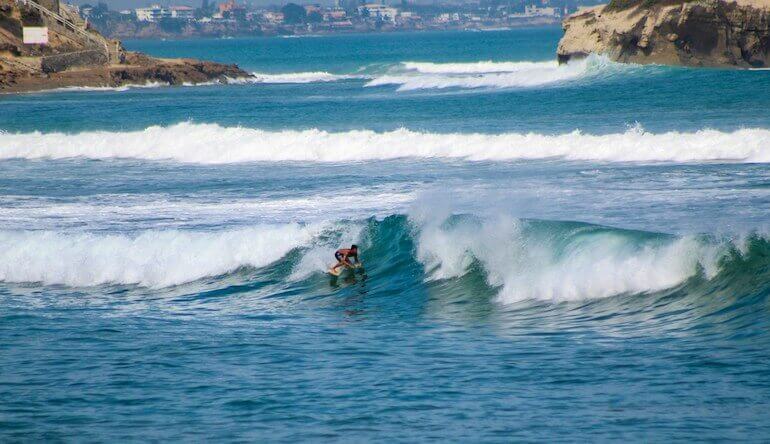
294, 14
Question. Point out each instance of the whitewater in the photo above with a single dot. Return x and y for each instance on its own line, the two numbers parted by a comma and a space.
189, 142
573, 252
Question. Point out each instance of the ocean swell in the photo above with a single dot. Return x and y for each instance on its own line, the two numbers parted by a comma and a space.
214, 144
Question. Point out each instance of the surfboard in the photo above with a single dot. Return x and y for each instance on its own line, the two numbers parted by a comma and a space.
341, 270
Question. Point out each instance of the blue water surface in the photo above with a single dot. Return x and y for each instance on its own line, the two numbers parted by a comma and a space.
502, 299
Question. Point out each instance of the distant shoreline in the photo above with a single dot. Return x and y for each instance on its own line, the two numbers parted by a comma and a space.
341, 33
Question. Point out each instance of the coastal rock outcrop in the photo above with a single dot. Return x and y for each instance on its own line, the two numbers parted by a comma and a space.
713, 33
77, 55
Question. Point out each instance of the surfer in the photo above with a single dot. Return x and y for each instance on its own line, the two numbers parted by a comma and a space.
343, 256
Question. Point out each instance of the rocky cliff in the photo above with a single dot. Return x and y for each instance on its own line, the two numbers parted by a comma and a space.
714, 33
79, 56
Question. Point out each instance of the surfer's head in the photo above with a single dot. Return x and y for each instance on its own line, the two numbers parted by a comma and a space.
354, 248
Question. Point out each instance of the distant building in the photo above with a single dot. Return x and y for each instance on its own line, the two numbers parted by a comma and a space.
273, 17
231, 7
154, 13
535, 11
377, 11
448, 17
335, 15
182, 12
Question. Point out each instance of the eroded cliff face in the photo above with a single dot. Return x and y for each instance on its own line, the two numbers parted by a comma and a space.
712, 33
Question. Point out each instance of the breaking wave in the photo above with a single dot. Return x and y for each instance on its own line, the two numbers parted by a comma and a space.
423, 75
112, 88
476, 67
295, 77
514, 259
151, 258
214, 144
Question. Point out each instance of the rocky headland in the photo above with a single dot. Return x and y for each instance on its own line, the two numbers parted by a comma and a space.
710, 33
78, 56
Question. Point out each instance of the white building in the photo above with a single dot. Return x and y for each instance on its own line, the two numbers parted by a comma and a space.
534, 11
152, 14
448, 17
382, 12
182, 12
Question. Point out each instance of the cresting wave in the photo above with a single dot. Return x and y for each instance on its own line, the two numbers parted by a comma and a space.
518, 259
214, 144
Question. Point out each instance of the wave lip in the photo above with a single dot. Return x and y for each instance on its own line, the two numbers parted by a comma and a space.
214, 144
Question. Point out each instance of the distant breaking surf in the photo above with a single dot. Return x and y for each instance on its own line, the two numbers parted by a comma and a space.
295, 77
486, 74
215, 144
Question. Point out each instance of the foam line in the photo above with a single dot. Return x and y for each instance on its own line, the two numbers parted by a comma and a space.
214, 144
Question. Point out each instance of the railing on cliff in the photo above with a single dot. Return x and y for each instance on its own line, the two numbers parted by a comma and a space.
68, 24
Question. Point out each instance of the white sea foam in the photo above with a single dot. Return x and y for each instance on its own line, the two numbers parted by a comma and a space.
145, 211
151, 258
559, 266
212, 144
424, 75
113, 88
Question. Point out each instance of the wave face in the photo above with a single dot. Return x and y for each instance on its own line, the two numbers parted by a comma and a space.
214, 144
515, 259
424, 75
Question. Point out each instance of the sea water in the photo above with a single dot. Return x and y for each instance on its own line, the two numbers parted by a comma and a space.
556, 253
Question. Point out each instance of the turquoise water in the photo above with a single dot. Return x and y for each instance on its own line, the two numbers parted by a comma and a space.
551, 253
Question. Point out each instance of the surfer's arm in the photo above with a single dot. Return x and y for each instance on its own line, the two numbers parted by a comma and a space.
346, 260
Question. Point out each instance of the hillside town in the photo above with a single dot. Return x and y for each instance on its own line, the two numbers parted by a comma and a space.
231, 18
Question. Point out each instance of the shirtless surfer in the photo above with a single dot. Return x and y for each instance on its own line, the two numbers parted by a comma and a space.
343, 256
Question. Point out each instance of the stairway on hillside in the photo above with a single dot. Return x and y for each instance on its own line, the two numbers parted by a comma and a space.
71, 14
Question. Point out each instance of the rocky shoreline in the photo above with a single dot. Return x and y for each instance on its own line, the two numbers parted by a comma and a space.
139, 70
708, 33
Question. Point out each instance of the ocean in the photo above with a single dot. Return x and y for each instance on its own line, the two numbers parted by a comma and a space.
551, 253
